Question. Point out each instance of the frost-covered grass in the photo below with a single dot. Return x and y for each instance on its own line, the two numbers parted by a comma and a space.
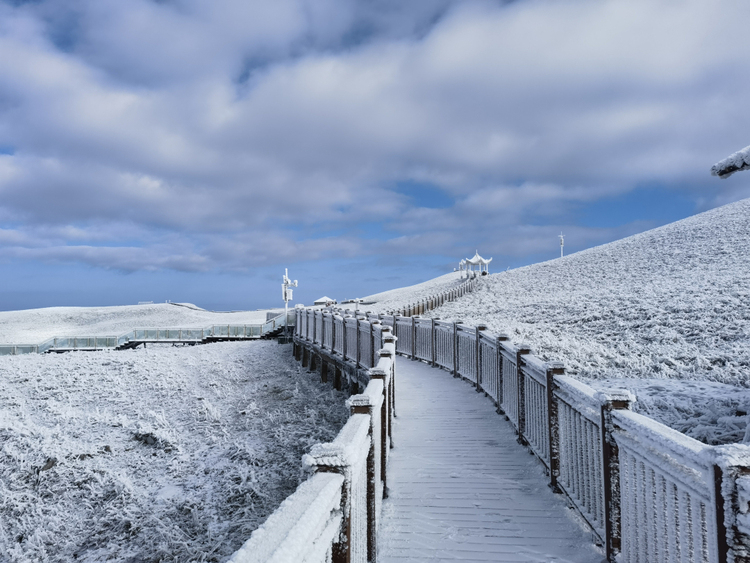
162, 454
671, 303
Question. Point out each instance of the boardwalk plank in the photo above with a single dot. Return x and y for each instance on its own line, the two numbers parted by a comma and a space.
461, 488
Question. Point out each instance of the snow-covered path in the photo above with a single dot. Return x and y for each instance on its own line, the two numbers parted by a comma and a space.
462, 488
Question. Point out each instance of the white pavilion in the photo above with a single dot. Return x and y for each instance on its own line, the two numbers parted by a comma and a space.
473, 265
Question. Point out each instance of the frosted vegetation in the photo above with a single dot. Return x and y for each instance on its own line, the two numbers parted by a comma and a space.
165, 454
672, 303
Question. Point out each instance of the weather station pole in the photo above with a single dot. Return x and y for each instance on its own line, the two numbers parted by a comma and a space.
562, 243
286, 292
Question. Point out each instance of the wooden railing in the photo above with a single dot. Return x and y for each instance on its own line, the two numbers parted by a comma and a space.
421, 306
334, 515
649, 493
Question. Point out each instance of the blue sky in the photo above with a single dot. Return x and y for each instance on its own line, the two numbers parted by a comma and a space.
190, 150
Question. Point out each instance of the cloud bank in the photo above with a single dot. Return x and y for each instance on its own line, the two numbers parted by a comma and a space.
223, 135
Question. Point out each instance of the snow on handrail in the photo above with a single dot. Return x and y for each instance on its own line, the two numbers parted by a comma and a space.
342, 523
592, 445
648, 492
309, 516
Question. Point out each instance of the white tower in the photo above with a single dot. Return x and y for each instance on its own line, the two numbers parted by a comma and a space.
562, 243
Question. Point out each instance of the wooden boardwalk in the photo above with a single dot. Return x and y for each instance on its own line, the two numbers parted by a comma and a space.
462, 488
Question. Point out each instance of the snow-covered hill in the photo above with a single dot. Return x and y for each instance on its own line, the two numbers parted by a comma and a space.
673, 302
670, 303
33, 326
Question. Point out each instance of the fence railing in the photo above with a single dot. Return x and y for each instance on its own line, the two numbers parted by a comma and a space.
152, 335
334, 515
421, 306
649, 493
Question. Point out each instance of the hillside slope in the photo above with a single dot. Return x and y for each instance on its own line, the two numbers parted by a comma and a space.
670, 303
673, 302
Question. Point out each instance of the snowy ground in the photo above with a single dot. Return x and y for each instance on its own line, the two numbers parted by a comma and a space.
159, 454
671, 303
33, 326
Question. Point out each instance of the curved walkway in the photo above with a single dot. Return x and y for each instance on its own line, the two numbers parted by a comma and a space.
460, 486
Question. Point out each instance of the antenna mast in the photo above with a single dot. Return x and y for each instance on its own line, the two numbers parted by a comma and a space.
286, 293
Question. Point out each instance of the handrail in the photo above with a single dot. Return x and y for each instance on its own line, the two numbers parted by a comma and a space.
334, 514
622, 471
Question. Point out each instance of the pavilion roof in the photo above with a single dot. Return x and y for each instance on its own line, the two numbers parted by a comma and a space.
478, 260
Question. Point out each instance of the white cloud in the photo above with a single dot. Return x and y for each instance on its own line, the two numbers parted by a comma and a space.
251, 130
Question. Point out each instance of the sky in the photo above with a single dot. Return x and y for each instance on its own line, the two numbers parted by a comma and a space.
191, 150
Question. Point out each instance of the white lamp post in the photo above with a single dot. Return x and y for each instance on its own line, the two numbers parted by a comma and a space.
286, 292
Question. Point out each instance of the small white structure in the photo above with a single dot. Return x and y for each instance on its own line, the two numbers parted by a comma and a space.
286, 295
476, 264
325, 301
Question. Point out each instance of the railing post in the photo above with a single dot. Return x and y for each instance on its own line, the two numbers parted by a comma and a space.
477, 355
395, 325
413, 338
373, 348
432, 342
359, 342
391, 340
553, 424
333, 333
499, 351
455, 348
330, 458
386, 416
315, 326
523, 349
343, 329
732, 498
611, 401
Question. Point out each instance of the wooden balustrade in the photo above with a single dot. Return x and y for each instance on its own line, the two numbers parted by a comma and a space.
648, 493
619, 470
334, 514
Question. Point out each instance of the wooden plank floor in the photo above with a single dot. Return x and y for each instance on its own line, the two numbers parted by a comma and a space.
461, 487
